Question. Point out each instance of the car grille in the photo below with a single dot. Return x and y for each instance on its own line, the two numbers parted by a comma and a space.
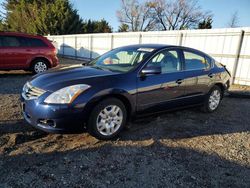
30, 92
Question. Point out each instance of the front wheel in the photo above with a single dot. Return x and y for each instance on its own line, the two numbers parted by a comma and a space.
213, 99
107, 119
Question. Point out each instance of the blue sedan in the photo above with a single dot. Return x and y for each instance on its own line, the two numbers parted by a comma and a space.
125, 83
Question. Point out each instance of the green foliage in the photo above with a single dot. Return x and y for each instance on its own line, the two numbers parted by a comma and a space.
123, 28
1, 25
55, 17
97, 26
42, 17
206, 24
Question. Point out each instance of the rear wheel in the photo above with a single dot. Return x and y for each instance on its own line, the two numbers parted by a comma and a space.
107, 119
213, 99
39, 66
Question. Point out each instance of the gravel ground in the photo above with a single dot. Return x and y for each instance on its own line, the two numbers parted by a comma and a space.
177, 149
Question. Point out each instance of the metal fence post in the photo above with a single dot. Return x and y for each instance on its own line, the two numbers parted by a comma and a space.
237, 58
112, 42
63, 45
140, 38
91, 46
75, 46
180, 39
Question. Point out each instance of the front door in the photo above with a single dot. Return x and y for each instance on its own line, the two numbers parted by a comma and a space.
161, 91
15, 54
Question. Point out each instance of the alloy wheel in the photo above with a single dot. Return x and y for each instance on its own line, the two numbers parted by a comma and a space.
40, 67
214, 99
109, 120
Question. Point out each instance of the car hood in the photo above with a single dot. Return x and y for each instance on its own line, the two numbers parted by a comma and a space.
62, 77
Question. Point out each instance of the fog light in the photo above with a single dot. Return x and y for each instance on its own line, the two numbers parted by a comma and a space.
47, 122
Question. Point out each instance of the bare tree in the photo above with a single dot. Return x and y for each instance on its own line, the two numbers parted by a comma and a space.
136, 15
234, 20
177, 14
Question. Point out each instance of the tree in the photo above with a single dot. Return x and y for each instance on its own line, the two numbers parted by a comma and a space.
102, 27
42, 17
1, 25
177, 14
123, 28
234, 20
206, 24
96, 26
136, 15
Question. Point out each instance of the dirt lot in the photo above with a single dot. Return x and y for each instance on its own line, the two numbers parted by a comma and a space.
184, 148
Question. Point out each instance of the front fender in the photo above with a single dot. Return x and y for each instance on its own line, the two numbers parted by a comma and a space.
88, 101
119, 93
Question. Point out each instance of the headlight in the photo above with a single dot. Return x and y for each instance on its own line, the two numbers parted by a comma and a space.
66, 95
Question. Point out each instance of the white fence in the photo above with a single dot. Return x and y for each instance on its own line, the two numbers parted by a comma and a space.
228, 46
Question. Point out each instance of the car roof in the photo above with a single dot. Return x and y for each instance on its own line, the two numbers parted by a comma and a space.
19, 34
155, 46
162, 46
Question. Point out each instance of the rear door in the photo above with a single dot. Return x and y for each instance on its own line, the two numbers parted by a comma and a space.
197, 76
2, 52
161, 91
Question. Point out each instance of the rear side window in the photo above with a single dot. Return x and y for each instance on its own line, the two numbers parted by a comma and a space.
13, 41
194, 61
32, 42
1, 41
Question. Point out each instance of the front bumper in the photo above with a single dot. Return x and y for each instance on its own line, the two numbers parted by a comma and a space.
53, 118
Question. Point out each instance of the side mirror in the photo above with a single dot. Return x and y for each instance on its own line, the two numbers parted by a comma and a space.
151, 70
85, 63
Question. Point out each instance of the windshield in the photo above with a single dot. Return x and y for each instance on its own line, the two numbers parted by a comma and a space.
121, 59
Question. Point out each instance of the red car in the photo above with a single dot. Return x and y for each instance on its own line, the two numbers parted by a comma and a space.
26, 52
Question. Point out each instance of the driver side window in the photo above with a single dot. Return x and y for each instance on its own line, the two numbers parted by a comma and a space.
168, 60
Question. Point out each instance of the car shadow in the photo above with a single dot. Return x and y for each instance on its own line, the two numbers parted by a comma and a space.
140, 157
16, 126
185, 123
190, 123
154, 165
181, 124
12, 82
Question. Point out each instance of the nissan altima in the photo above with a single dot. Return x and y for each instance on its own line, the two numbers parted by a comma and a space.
127, 82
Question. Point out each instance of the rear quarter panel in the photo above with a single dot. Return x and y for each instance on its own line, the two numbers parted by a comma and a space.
221, 77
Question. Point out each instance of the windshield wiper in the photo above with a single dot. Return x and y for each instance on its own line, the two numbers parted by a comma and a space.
101, 68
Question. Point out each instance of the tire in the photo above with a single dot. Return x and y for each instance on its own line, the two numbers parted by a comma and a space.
213, 100
105, 124
39, 66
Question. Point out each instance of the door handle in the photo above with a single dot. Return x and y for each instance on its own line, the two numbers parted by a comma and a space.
179, 81
211, 75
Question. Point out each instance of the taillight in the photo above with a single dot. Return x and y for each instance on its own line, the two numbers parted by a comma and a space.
55, 51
